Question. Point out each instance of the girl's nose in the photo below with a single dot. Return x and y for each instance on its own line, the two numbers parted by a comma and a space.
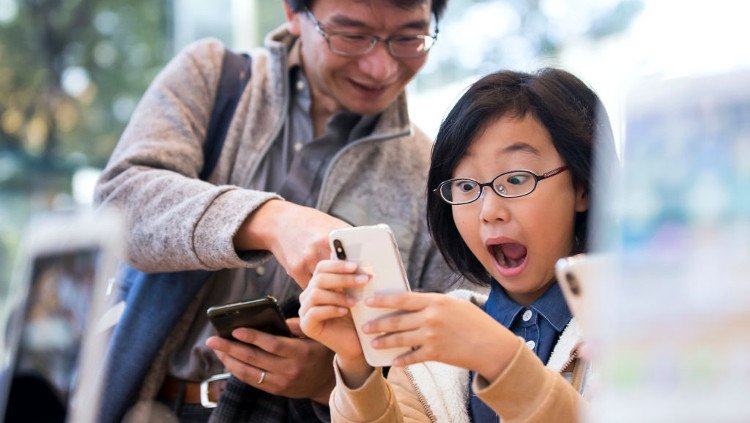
493, 206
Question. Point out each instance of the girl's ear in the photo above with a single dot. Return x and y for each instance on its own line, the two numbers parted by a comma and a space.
292, 19
582, 199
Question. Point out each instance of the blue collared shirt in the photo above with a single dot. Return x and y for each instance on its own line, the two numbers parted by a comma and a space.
539, 324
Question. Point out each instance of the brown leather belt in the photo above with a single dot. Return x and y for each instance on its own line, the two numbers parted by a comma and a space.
183, 391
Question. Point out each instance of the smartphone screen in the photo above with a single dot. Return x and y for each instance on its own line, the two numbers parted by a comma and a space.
52, 329
51, 355
56, 317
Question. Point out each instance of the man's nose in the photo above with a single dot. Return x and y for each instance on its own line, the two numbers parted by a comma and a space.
378, 64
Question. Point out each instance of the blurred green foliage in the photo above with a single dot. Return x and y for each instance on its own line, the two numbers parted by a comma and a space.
71, 71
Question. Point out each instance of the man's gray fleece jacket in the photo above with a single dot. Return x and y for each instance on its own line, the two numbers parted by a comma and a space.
178, 222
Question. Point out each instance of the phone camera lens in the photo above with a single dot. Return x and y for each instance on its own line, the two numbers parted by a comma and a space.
575, 288
339, 249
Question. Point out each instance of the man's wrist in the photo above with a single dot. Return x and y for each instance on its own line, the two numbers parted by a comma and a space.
257, 230
323, 397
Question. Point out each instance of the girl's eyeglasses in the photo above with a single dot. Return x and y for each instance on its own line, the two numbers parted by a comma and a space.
512, 184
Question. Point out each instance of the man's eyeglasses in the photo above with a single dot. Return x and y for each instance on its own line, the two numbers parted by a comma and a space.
512, 184
351, 44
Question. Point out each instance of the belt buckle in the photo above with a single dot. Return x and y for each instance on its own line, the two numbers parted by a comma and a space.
205, 401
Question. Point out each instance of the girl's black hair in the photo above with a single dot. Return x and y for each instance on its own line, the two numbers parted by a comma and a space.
571, 112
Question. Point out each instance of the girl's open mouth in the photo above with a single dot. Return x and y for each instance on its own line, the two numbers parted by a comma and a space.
510, 257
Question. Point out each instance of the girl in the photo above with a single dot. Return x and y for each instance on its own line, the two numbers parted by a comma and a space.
510, 183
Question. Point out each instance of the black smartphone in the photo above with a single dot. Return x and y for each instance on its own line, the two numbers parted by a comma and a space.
262, 314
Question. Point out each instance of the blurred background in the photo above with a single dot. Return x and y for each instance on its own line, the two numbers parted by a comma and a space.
72, 71
675, 317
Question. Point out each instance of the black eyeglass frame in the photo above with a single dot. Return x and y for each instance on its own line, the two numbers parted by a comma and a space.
374, 39
439, 190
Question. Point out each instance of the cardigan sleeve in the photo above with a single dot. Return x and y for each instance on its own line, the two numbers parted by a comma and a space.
528, 392
176, 221
378, 400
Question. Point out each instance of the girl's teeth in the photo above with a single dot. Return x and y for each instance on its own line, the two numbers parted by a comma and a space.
504, 261
500, 257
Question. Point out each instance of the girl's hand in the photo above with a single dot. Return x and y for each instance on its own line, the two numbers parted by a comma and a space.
324, 307
445, 329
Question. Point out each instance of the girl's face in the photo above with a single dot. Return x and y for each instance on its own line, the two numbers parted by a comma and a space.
518, 240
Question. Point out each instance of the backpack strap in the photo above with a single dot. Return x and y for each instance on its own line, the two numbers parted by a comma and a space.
236, 70
146, 316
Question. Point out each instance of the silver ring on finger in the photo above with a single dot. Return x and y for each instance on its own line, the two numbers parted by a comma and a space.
262, 377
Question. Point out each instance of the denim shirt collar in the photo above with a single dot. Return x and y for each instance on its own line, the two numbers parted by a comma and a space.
500, 306
551, 306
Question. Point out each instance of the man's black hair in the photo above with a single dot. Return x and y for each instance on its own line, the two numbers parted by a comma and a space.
438, 6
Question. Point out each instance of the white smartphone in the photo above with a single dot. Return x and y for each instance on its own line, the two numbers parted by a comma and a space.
374, 250
579, 276
51, 357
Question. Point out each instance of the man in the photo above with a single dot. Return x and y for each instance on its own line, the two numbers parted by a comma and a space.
320, 140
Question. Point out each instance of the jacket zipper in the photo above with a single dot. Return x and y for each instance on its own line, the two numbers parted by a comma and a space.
279, 127
571, 359
283, 122
338, 154
421, 398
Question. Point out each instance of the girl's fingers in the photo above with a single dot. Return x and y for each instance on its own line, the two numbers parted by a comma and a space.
416, 355
320, 314
395, 323
326, 291
407, 301
322, 297
412, 340
409, 339
332, 281
335, 266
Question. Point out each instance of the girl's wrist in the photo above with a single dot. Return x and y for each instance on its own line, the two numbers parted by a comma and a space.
354, 370
504, 349
491, 371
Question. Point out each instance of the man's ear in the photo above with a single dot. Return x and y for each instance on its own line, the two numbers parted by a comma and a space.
582, 199
292, 19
